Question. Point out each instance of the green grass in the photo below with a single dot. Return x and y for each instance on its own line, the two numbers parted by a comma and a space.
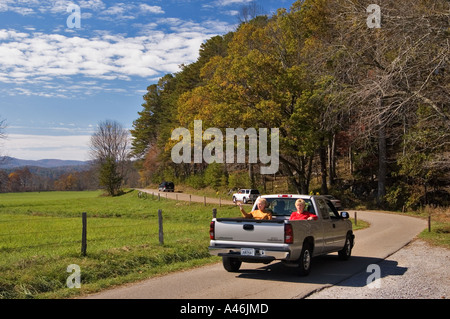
439, 235
40, 235
440, 226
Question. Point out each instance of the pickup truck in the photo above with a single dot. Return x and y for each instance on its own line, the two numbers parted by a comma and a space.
294, 242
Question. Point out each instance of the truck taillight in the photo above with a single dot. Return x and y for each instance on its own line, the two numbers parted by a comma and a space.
211, 230
288, 234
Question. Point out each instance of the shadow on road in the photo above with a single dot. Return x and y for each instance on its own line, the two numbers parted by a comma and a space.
326, 270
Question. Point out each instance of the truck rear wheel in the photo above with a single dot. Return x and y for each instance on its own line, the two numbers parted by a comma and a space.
231, 264
305, 260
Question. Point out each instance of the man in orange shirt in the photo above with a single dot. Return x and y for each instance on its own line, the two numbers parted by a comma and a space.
260, 213
300, 214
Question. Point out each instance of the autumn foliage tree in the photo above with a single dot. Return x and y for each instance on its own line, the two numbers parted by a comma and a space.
329, 82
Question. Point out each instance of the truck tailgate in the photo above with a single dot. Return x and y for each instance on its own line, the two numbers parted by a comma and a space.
263, 231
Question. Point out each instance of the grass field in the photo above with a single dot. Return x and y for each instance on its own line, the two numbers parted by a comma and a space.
440, 226
40, 236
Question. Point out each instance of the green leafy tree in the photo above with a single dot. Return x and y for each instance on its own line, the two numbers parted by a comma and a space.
109, 177
109, 152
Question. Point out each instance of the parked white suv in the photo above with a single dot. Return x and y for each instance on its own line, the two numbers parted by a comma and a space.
246, 195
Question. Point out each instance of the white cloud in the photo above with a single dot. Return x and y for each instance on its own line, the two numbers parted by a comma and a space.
31, 59
36, 147
119, 11
151, 9
28, 7
129, 11
223, 3
38, 57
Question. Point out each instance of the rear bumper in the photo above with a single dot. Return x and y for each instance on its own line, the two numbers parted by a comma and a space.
262, 254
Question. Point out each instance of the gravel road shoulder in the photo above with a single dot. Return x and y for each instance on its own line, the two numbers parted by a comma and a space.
418, 271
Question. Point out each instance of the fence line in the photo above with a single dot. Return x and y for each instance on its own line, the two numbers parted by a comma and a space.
84, 232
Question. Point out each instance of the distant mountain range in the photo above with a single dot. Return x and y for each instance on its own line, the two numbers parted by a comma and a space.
11, 163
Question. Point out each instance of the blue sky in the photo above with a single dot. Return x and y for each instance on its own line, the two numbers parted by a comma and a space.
58, 82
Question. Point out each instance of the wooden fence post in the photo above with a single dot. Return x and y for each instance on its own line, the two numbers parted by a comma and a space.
356, 218
214, 212
84, 234
160, 223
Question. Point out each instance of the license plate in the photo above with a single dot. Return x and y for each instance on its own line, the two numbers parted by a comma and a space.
247, 251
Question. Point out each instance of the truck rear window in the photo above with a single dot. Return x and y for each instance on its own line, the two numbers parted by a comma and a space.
286, 206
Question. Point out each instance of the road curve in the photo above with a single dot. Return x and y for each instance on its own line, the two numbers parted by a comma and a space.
387, 234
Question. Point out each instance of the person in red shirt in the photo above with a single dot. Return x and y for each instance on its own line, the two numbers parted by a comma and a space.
300, 214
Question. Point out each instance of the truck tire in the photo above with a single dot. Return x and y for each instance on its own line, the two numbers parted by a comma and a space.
305, 260
346, 252
234, 199
231, 264
245, 200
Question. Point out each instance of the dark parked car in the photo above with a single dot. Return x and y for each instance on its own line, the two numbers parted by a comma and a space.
166, 187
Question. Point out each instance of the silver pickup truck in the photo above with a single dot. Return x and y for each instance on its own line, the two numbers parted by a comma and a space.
294, 242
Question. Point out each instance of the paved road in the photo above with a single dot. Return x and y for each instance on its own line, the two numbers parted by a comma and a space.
388, 233
187, 197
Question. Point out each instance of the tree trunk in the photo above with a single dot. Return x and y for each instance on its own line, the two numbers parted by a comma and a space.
323, 168
350, 158
382, 165
251, 176
332, 159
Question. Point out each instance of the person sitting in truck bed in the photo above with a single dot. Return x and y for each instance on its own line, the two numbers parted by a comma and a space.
260, 213
301, 214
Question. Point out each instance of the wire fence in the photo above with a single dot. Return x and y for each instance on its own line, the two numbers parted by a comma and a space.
76, 234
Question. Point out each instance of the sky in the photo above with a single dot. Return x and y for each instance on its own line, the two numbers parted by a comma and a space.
65, 66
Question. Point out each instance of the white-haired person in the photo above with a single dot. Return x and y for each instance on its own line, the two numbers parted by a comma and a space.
260, 213
301, 214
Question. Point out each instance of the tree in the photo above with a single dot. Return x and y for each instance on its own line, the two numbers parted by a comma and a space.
66, 182
14, 182
249, 12
109, 150
319, 73
109, 176
158, 118
384, 74
3, 181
